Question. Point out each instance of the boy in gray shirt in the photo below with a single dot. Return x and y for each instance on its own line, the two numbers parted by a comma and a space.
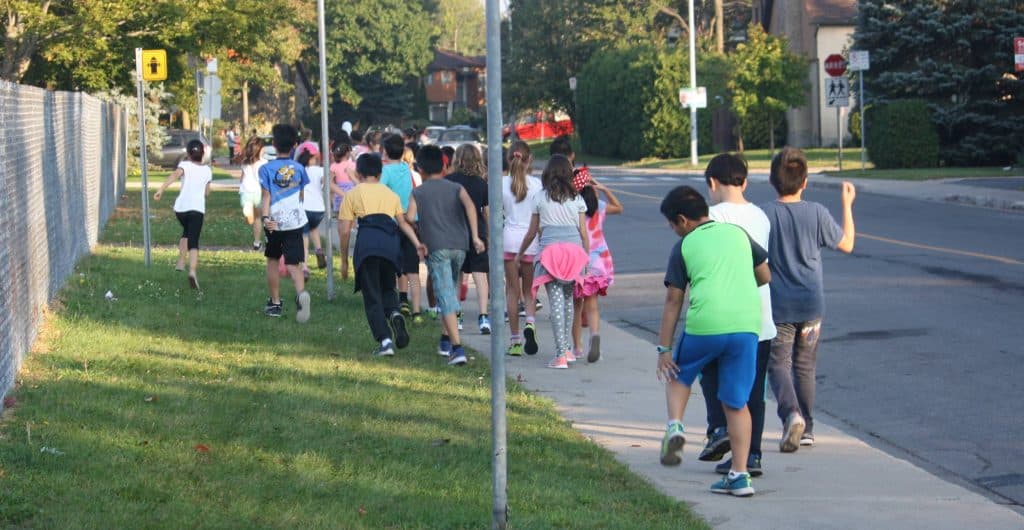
799, 231
447, 225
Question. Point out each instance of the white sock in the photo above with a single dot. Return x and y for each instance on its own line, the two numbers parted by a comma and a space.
386, 343
735, 474
675, 422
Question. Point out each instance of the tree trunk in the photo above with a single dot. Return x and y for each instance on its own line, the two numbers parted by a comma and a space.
719, 27
245, 108
19, 46
771, 133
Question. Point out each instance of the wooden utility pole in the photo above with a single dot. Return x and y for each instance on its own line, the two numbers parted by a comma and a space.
719, 27
245, 108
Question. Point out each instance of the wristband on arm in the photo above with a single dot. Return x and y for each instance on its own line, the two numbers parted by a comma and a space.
663, 349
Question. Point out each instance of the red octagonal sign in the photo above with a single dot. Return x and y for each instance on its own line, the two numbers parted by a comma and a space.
835, 65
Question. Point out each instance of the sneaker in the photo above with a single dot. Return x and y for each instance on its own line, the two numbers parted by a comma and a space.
398, 326
716, 447
807, 439
257, 245
405, 309
538, 304
515, 350
457, 358
741, 486
302, 307
444, 348
321, 260
570, 356
753, 466
305, 272
672, 445
522, 310
459, 317
559, 363
530, 334
595, 349
417, 319
193, 283
484, 324
272, 309
384, 350
434, 312
791, 435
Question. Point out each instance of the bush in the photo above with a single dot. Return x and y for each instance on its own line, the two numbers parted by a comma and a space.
755, 129
900, 134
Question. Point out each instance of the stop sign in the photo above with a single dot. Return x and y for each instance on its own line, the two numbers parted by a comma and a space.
835, 65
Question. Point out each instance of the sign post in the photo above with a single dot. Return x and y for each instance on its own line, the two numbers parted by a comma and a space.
837, 94
150, 65
325, 141
859, 62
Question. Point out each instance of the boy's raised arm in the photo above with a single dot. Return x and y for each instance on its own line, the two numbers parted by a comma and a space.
849, 230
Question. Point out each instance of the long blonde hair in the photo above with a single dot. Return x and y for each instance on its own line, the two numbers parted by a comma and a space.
468, 161
519, 160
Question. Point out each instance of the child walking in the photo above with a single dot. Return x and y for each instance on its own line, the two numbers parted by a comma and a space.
398, 177
600, 270
519, 191
309, 157
722, 267
470, 172
800, 229
283, 182
249, 187
190, 206
558, 216
448, 224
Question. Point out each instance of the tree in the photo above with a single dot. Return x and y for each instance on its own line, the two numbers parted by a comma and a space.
766, 78
957, 56
462, 26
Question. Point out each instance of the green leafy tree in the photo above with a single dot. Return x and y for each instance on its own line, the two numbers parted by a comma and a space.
462, 26
766, 79
957, 57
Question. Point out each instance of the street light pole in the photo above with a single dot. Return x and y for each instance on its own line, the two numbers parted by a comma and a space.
693, 86
325, 146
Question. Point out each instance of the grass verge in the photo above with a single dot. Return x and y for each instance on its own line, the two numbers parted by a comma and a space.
172, 409
928, 173
756, 159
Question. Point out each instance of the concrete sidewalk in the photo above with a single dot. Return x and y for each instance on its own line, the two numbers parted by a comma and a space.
840, 483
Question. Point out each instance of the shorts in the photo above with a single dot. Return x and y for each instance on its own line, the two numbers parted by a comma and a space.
737, 363
250, 201
313, 220
444, 267
410, 258
527, 258
476, 262
191, 225
287, 243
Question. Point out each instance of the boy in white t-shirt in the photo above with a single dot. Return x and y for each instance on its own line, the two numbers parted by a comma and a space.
726, 176
190, 206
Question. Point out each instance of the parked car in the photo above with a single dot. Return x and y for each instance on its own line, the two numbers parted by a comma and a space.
433, 132
539, 125
173, 151
458, 135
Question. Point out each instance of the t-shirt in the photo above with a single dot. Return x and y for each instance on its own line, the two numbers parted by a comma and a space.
193, 187
314, 194
717, 260
752, 220
558, 213
442, 217
398, 177
518, 214
251, 177
370, 198
476, 187
799, 231
285, 179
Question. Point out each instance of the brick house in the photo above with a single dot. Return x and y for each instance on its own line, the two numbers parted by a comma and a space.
454, 81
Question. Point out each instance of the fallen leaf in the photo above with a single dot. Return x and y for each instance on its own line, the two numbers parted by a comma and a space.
520, 378
144, 442
151, 399
201, 448
440, 441
362, 511
9, 402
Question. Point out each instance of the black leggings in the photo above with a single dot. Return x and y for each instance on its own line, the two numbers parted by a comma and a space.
191, 225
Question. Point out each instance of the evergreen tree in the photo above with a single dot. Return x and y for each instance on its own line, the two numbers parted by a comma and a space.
958, 56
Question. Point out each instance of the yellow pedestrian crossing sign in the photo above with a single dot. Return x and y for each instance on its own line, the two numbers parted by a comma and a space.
154, 65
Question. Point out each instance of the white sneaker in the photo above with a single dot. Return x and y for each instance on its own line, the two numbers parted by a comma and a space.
795, 425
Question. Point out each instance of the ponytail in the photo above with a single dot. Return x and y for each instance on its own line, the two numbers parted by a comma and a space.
519, 160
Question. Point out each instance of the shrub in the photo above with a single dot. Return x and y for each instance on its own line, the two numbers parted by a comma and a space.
755, 129
900, 134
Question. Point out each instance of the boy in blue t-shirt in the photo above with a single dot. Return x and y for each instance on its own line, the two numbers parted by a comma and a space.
799, 230
282, 181
397, 176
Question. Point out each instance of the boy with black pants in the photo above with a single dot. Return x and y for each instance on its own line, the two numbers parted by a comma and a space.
397, 176
282, 181
726, 177
722, 267
377, 256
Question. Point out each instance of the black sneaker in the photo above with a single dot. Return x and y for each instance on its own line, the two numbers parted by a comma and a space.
272, 309
530, 334
716, 447
401, 334
256, 245
406, 309
753, 466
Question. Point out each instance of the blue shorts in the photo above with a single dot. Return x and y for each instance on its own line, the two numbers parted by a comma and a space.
445, 268
737, 362
313, 221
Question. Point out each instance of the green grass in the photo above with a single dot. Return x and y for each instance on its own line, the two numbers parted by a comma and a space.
172, 409
223, 224
927, 173
757, 159
540, 152
158, 176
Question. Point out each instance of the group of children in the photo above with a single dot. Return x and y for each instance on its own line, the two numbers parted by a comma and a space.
754, 278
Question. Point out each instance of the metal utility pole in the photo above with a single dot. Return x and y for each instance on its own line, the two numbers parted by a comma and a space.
143, 156
325, 145
499, 463
693, 86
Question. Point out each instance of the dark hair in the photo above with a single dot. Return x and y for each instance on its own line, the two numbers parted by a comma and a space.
341, 150
410, 132
589, 195
356, 136
252, 151
449, 151
341, 136
557, 179
789, 171
430, 160
304, 158
684, 201
195, 149
394, 146
504, 160
728, 169
561, 146
285, 138
369, 165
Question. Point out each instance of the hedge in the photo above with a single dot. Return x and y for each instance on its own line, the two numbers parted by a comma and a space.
900, 134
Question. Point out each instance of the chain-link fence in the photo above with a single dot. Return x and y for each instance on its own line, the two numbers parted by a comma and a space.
62, 168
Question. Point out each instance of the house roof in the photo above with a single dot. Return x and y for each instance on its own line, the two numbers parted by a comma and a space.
449, 60
831, 12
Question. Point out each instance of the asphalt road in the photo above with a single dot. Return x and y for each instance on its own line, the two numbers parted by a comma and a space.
921, 353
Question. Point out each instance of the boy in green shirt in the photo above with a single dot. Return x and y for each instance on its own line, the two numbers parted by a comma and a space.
723, 268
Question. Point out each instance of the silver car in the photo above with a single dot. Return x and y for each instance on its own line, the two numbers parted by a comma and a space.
456, 136
173, 151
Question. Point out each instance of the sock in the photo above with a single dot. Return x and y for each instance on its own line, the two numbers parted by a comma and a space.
733, 475
385, 343
484, 315
675, 422
530, 320
403, 297
516, 339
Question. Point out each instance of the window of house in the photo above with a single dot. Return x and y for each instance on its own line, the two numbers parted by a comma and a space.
430, 79
446, 77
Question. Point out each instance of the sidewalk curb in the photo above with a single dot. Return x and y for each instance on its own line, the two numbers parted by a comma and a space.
822, 181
